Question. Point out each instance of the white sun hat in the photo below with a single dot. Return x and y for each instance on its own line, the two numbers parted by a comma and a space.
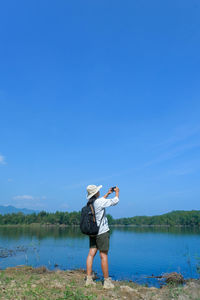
92, 190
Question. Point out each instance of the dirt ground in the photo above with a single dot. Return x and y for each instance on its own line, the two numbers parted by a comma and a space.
29, 283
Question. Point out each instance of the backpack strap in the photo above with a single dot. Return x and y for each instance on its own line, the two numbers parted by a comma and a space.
102, 218
93, 213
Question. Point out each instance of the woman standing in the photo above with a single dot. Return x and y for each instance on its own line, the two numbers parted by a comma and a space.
101, 240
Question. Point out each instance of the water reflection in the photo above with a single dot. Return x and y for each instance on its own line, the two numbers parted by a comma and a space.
159, 229
40, 232
43, 232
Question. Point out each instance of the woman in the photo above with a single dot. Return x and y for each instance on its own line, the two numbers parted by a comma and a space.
101, 241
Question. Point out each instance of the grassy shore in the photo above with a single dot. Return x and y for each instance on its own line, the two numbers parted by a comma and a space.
29, 283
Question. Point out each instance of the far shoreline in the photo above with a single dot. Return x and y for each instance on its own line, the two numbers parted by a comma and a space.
111, 226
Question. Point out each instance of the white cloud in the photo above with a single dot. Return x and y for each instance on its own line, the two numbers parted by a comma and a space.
181, 133
172, 154
2, 160
23, 197
29, 201
28, 197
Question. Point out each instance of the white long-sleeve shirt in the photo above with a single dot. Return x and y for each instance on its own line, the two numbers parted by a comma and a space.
99, 206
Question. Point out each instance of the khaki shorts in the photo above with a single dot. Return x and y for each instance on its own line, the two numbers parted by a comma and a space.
101, 241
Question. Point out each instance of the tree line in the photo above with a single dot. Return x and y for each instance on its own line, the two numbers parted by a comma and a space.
174, 218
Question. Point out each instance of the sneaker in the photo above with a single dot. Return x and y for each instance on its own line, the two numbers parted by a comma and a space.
89, 281
108, 284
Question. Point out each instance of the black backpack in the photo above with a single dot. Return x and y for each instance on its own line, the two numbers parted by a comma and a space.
88, 224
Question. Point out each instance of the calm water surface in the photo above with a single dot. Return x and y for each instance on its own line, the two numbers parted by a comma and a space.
135, 253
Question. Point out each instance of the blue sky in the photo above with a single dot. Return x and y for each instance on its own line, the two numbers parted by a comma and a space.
100, 92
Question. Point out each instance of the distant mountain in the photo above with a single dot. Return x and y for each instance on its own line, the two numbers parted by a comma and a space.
14, 210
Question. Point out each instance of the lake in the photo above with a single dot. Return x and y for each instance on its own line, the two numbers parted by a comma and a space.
135, 252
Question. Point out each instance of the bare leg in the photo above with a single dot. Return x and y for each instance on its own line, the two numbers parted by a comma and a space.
104, 263
89, 262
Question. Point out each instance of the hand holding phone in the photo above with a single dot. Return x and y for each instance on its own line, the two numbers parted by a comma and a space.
113, 189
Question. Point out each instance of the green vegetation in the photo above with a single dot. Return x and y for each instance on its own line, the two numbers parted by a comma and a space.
73, 293
177, 217
43, 217
27, 283
174, 218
